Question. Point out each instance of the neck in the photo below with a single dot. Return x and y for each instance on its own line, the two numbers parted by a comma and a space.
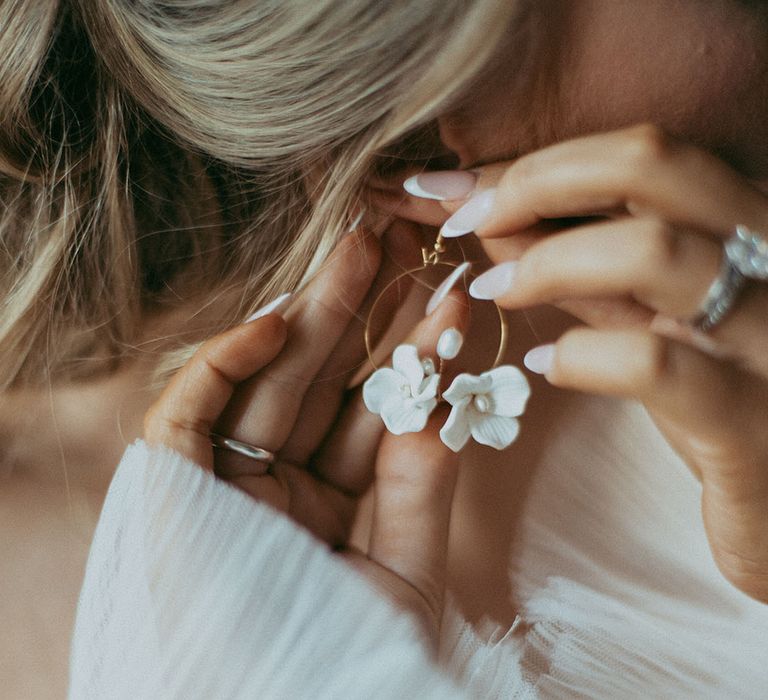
72, 434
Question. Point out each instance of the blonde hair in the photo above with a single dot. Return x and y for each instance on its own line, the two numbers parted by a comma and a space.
157, 153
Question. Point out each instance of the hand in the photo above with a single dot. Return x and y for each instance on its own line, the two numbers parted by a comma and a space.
281, 385
624, 230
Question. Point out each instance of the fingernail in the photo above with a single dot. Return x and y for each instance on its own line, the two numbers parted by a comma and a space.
472, 215
449, 344
356, 221
446, 286
271, 308
540, 359
494, 282
441, 185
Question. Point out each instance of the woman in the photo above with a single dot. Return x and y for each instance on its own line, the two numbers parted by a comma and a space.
168, 170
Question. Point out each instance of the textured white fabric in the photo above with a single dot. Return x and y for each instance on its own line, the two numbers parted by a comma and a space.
619, 593
194, 591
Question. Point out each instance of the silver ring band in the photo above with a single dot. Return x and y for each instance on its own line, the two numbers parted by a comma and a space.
720, 297
243, 448
745, 256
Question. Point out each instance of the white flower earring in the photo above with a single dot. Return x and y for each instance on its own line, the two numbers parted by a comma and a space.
404, 395
484, 407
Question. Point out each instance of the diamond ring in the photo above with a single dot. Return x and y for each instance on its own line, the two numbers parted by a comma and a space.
745, 257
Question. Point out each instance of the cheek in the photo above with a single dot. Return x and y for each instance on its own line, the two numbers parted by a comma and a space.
611, 85
505, 112
480, 137
696, 69
499, 125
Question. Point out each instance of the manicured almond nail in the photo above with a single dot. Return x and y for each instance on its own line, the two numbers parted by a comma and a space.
442, 185
472, 215
446, 286
495, 282
273, 307
540, 359
449, 344
356, 221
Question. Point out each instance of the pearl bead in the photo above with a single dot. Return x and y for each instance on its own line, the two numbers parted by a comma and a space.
449, 344
428, 366
482, 404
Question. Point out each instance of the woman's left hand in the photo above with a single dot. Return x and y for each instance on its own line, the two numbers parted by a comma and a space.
633, 222
283, 386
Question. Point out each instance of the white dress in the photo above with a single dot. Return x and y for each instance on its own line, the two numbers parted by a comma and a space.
193, 590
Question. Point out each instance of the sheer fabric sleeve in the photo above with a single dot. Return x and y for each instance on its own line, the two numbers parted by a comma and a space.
617, 592
193, 590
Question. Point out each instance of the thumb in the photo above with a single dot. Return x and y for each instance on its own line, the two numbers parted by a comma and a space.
413, 493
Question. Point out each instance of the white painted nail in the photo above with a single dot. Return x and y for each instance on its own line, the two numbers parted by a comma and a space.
446, 286
356, 221
273, 307
495, 282
441, 186
471, 216
540, 359
449, 344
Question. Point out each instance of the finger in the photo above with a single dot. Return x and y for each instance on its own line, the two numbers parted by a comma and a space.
661, 267
658, 265
323, 398
599, 312
415, 482
714, 415
348, 453
265, 411
711, 401
320, 318
184, 414
402, 252
640, 169
398, 203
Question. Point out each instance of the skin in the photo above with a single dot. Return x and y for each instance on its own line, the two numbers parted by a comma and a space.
646, 130
695, 69
707, 395
281, 384
661, 192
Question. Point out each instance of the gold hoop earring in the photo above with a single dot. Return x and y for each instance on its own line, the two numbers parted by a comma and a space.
432, 258
484, 406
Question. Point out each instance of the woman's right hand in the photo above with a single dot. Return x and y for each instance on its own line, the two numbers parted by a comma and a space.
626, 231
281, 385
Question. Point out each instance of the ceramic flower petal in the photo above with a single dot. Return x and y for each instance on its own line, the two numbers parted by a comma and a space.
467, 385
405, 361
428, 388
406, 416
402, 395
509, 390
495, 431
456, 430
381, 385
